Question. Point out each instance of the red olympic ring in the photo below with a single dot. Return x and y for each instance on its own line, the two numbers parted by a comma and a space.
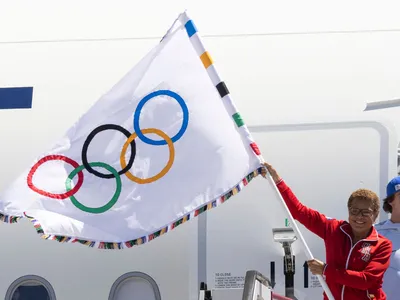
50, 195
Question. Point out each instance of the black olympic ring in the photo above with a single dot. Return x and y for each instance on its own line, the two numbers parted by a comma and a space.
89, 139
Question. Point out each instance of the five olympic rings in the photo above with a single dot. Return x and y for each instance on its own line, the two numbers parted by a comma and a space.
138, 133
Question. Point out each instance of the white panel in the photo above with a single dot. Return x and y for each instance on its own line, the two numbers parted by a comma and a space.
76, 269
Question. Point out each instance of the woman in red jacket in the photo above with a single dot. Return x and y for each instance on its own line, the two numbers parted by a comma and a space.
356, 255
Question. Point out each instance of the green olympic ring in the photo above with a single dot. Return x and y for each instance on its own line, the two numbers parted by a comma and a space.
95, 210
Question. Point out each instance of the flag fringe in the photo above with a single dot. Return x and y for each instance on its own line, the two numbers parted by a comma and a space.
9, 219
145, 239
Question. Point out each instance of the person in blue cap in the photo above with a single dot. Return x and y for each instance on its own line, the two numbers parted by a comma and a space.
391, 230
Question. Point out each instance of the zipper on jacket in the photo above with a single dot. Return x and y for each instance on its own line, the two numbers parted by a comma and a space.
348, 257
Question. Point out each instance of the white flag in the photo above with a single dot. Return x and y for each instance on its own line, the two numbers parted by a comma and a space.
163, 145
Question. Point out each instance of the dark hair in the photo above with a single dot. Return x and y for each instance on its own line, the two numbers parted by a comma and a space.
386, 204
365, 195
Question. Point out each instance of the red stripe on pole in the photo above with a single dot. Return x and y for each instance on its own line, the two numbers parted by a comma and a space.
255, 148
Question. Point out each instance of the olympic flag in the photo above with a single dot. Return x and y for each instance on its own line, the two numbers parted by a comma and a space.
165, 144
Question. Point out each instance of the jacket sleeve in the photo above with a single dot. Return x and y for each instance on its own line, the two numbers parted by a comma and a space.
311, 219
370, 276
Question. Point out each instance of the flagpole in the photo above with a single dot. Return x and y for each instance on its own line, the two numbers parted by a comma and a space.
230, 106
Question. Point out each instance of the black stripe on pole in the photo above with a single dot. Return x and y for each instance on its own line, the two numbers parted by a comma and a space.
222, 89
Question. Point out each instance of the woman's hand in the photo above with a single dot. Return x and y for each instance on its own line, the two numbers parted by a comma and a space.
316, 266
271, 171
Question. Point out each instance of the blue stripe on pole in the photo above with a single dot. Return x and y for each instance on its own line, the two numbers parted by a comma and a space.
190, 28
16, 98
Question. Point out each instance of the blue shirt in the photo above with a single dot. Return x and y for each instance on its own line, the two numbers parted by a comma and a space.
391, 279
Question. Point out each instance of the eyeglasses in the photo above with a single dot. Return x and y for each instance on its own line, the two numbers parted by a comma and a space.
364, 212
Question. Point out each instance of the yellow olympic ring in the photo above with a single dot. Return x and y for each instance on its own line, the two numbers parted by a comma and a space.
163, 171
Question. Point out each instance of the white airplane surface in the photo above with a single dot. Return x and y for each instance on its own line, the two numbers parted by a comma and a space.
300, 74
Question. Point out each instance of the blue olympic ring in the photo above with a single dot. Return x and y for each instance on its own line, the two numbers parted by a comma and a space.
139, 108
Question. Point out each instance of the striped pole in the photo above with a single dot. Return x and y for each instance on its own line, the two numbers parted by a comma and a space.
218, 83
223, 91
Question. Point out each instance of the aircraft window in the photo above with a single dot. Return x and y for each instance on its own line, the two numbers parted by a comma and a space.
134, 286
30, 287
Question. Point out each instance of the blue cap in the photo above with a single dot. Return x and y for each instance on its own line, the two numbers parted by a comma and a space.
393, 187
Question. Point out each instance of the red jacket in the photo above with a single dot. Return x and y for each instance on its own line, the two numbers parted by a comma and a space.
352, 271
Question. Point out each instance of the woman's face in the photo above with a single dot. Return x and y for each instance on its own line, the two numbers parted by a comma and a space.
361, 217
